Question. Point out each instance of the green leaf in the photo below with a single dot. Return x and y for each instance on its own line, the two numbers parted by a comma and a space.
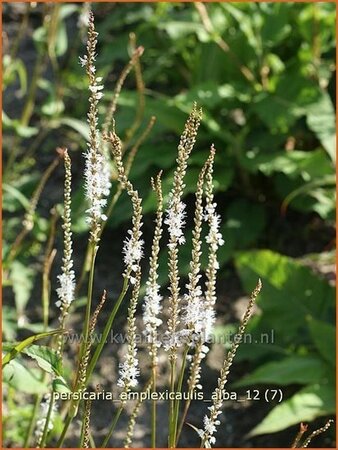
324, 337
292, 369
67, 10
10, 193
60, 385
306, 405
15, 124
26, 343
317, 189
321, 120
53, 107
276, 26
238, 229
47, 358
308, 165
23, 379
61, 42
77, 125
180, 29
290, 293
279, 110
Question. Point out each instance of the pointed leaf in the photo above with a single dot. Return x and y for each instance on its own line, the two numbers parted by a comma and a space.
26, 343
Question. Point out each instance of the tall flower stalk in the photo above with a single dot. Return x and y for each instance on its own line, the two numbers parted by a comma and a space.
211, 421
197, 315
152, 301
175, 219
97, 172
132, 254
66, 288
205, 308
97, 187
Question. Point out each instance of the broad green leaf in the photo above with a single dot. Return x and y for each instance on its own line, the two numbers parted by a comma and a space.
47, 358
23, 379
306, 405
238, 229
279, 110
275, 27
324, 337
290, 293
315, 189
308, 165
321, 119
292, 369
18, 348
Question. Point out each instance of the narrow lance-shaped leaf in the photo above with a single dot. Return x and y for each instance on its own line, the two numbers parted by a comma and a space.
26, 343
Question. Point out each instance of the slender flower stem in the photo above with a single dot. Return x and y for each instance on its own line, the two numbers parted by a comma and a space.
179, 389
112, 427
93, 361
93, 252
68, 421
33, 418
106, 330
132, 420
42, 442
192, 384
153, 409
74, 404
172, 402
184, 415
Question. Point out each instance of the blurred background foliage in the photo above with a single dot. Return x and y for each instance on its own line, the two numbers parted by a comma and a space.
264, 74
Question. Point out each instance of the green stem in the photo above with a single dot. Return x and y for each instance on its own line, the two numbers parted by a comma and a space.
153, 409
32, 421
106, 330
179, 389
93, 361
85, 333
64, 431
86, 263
82, 433
29, 105
172, 402
42, 443
21, 32
112, 427
184, 415
91, 441
85, 269
93, 251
